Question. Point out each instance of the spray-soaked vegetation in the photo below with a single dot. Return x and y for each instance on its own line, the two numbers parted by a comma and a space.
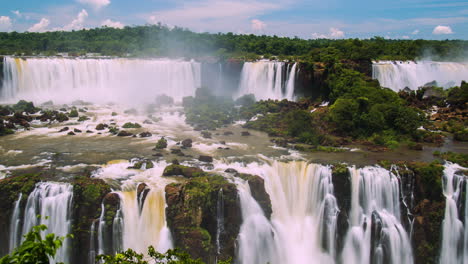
157, 40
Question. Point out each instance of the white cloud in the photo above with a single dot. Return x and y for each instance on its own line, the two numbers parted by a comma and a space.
405, 37
96, 4
214, 15
257, 25
17, 13
415, 32
334, 33
5, 23
113, 24
41, 26
442, 30
77, 23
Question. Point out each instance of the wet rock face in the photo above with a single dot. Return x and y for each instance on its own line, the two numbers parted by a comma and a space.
193, 220
342, 189
10, 188
257, 188
88, 195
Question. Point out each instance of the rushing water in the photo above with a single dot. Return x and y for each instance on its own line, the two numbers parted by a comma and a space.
302, 228
98, 80
454, 248
268, 80
400, 74
376, 234
52, 201
15, 224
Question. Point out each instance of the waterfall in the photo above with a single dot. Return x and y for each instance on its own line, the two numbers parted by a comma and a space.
219, 220
304, 218
268, 80
454, 248
98, 80
15, 224
147, 227
52, 201
256, 240
400, 74
376, 234
92, 243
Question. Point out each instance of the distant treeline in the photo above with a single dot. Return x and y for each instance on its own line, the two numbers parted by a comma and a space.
158, 40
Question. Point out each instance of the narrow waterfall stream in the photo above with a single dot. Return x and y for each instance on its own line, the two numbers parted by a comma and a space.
455, 234
52, 201
376, 234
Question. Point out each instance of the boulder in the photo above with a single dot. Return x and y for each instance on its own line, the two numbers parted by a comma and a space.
187, 143
101, 126
206, 134
124, 133
245, 133
145, 134
204, 158
180, 170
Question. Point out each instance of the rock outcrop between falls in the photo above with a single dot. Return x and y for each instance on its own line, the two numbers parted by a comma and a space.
192, 214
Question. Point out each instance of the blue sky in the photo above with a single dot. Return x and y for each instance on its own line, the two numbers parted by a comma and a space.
396, 19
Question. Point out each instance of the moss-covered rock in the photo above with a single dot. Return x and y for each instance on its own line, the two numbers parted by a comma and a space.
131, 125
341, 179
88, 195
192, 216
180, 170
161, 144
10, 188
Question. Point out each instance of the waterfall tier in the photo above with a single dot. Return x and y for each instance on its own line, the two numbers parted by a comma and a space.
376, 234
268, 80
53, 202
398, 75
98, 80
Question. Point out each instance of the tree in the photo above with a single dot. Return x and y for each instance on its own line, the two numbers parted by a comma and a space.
34, 249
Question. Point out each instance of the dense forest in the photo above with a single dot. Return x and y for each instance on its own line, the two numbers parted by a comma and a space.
159, 40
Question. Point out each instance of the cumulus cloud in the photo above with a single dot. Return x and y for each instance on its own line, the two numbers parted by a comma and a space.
415, 32
5, 23
17, 13
334, 33
257, 25
96, 4
78, 22
113, 24
442, 30
41, 26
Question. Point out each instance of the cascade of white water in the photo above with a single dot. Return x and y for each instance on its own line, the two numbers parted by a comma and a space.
256, 239
92, 243
98, 80
52, 201
376, 234
101, 231
15, 224
147, 227
400, 74
219, 220
454, 238
267, 80
304, 219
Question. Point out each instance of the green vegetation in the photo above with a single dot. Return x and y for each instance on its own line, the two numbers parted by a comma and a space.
208, 112
131, 125
158, 40
161, 144
73, 113
459, 158
35, 249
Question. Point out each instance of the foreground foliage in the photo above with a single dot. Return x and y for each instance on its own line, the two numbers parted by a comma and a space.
34, 249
